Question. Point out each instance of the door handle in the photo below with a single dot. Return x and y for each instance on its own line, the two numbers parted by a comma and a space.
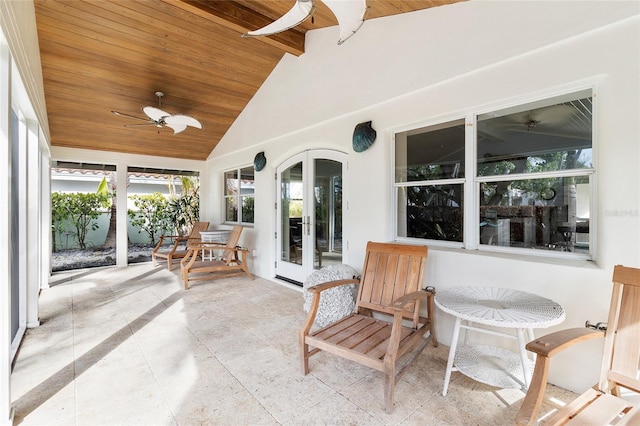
307, 221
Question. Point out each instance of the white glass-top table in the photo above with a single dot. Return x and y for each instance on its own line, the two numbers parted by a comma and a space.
492, 308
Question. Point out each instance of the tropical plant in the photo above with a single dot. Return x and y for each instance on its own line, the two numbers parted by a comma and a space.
107, 189
184, 211
189, 185
152, 215
81, 210
248, 208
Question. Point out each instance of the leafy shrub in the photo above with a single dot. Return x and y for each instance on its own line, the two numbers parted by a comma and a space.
79, 209
152, 216
184, 211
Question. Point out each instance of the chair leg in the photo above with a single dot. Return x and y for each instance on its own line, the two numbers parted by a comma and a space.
305, 360
246, 270
304, 355
530, 408
432, 319
389, 384
185, 278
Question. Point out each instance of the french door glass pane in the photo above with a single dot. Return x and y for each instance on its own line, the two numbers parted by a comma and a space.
328, 212
291, 201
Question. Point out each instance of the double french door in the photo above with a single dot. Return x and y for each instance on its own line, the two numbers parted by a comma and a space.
310, 213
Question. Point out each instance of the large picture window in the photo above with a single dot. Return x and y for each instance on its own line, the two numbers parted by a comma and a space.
239, 195
529, 185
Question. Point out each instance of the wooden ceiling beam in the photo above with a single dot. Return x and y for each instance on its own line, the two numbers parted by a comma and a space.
235, 16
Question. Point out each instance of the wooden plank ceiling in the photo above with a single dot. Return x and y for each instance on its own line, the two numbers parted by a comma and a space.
100, 55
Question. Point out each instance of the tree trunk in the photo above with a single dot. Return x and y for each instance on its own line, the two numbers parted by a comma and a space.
110, 241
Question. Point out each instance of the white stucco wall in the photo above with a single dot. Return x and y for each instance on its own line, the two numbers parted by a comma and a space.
17, 19
446, 62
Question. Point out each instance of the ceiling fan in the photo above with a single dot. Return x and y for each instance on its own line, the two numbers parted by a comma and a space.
552, 115
159, 118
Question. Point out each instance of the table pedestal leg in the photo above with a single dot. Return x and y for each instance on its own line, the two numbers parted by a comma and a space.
452, 355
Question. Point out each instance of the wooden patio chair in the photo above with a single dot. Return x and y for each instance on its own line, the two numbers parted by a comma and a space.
176, 252
602, 404
386, 331
232, 262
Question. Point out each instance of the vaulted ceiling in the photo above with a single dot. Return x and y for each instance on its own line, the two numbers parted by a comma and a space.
101, 55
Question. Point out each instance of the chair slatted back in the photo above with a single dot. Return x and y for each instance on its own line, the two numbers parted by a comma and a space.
234, 237
622, 340
390, 271
194, 236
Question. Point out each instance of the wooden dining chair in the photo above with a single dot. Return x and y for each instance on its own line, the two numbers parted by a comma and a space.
602, 404
386, 332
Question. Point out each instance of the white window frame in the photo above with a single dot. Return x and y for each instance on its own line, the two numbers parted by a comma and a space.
471, 182
238, 196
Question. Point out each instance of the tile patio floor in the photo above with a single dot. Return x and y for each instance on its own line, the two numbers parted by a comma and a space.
128, 346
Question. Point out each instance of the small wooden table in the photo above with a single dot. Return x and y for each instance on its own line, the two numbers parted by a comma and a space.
497, 308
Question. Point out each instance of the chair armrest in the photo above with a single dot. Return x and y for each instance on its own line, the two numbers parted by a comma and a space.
545, 347
318, 288
214, 245
552, 343
397, 307
198, 247
206, 246
189, 258
315, 302
403, 301
161, 240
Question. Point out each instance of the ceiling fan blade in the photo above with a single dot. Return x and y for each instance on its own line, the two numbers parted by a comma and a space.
129, 116
156, 114
553, 114
146, 124
300, 11
180, 119
177, 127
350, 15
